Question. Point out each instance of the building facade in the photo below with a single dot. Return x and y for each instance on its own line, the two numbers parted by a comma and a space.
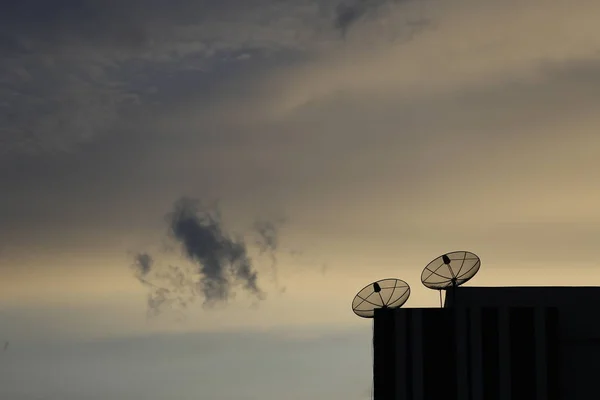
491, 343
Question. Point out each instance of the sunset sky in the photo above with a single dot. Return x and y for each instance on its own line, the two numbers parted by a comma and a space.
384, 133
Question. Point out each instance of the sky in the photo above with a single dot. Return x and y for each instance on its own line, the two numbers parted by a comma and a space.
365, 137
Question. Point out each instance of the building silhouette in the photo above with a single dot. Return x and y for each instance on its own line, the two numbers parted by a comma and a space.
491, 343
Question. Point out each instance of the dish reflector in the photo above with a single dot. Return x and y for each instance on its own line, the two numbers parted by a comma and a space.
386, 293
451, 269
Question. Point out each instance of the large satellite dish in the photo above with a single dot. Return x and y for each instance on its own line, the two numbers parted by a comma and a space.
450, 270
386, 293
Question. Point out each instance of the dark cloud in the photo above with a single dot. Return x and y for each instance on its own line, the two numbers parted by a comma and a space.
74, 70
33, 22
168, 287
219, 256
29, 25
220, 259
349, 12
143, 264
70, 70
122, 24
158, 296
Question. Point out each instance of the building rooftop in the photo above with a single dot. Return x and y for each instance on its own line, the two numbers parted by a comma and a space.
515, 296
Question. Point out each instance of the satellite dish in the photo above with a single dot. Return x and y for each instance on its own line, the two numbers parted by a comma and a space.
450, 270
386, 293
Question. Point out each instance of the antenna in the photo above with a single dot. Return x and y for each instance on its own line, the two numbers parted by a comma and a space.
450, 270
385, 293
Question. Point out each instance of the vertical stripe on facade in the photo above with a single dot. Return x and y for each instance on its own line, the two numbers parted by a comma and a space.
439, 354
522, 353
553, 354
541, 358
476, 369
418, 359
403, 370
490, 353
462, 348
504, 352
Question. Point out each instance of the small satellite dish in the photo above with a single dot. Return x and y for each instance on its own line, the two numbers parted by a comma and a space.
386, 293
450, 270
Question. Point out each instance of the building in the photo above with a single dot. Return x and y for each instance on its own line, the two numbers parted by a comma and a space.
491, 343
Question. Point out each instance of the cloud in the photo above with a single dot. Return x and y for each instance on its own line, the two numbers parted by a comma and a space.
348, 13
268, 242
384, 13
76, 70
462, 104
73, 69
143, 264
170, 287
220, 259
466, 45
268, 237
